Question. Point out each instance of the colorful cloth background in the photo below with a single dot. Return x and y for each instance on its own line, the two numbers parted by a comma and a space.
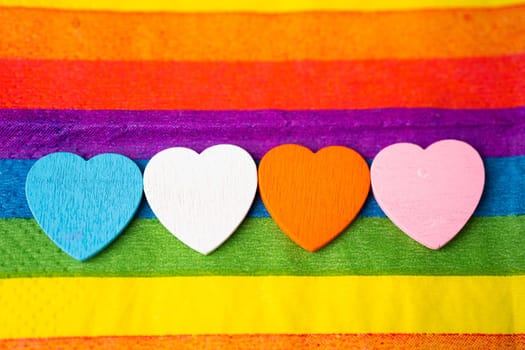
140, 76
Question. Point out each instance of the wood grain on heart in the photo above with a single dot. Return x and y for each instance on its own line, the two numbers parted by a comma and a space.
83, 205
429, 194
201, 198
313, 196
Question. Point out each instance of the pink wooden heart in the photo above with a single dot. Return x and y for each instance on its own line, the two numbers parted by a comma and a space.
429, 194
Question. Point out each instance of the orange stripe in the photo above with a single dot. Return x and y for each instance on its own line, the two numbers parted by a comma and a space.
84, 35
274, 342
448, 83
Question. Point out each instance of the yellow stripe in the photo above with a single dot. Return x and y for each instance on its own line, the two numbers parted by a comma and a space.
254, 5
54, 307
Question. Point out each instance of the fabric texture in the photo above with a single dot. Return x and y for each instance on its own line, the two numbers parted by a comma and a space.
136, 77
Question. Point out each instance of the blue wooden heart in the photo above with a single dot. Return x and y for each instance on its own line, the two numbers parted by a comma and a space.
83, 205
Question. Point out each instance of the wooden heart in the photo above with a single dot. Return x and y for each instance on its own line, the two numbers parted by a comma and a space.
201, 199
429, 194
313, 196
83, 205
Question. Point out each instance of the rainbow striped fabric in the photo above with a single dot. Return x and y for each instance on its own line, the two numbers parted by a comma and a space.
135, 77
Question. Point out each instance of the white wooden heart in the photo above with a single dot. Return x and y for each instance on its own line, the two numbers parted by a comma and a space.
201, 198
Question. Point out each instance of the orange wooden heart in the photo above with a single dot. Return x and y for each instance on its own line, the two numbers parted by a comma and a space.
313, 196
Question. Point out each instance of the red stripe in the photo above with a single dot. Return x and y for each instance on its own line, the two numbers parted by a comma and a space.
450, 83
274, 342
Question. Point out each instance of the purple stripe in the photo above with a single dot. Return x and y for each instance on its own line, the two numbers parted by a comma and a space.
30, 134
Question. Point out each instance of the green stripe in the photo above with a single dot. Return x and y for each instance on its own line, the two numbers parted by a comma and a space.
371, 246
